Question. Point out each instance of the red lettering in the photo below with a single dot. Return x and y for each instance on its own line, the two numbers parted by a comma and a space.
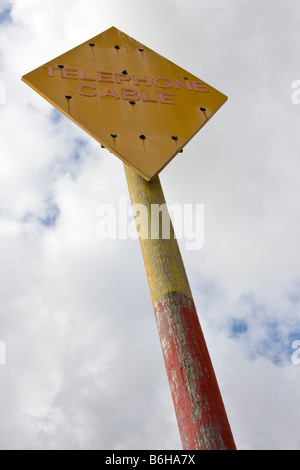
186, 85
69, 73
81, 92
83, 77
166, 97
50, 70
130, 94
168, 83
145, 98
121, 77
200, 86
145, 80
105, 77
109, 92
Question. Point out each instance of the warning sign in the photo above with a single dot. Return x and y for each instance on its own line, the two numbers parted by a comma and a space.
133, 101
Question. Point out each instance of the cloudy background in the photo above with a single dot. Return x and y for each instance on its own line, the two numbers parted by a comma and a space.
84, 366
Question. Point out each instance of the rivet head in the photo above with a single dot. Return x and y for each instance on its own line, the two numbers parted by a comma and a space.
61, 66
202, 109
113, 135
142, 136
141, 49
132, 102
174, 137
124, 72
68, 97
92, 44
117, 47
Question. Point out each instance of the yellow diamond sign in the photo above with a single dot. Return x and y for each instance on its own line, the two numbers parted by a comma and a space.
137, 104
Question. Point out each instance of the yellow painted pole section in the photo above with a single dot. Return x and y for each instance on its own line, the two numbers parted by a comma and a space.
201, 416
162, 258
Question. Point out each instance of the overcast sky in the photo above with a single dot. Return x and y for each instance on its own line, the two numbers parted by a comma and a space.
84, 367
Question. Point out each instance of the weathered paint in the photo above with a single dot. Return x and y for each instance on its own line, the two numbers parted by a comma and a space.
162, 258
201, 416
199, 408
116, 86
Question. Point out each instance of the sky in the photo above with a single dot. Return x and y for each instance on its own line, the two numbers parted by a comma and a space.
83, 366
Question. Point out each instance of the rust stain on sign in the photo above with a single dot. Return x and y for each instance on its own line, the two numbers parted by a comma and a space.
133, 101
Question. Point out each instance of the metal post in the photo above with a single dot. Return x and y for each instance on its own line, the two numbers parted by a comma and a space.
201, 416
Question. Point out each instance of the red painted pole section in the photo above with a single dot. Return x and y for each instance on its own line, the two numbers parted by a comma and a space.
199, 408
200, 412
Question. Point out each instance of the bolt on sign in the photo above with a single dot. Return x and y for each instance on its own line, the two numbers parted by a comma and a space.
137, 104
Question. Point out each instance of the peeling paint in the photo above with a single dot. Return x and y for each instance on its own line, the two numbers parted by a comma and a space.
197, 400
200, 412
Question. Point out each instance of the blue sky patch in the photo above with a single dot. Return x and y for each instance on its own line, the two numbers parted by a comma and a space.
238, 327
262, 333
79, 146
5, 15
294, 294
50, 218
274, 350
295, 336
55, 116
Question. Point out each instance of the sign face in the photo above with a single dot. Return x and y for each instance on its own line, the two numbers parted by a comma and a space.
137, 104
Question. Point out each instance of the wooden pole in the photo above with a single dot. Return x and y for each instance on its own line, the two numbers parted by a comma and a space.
200, 412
